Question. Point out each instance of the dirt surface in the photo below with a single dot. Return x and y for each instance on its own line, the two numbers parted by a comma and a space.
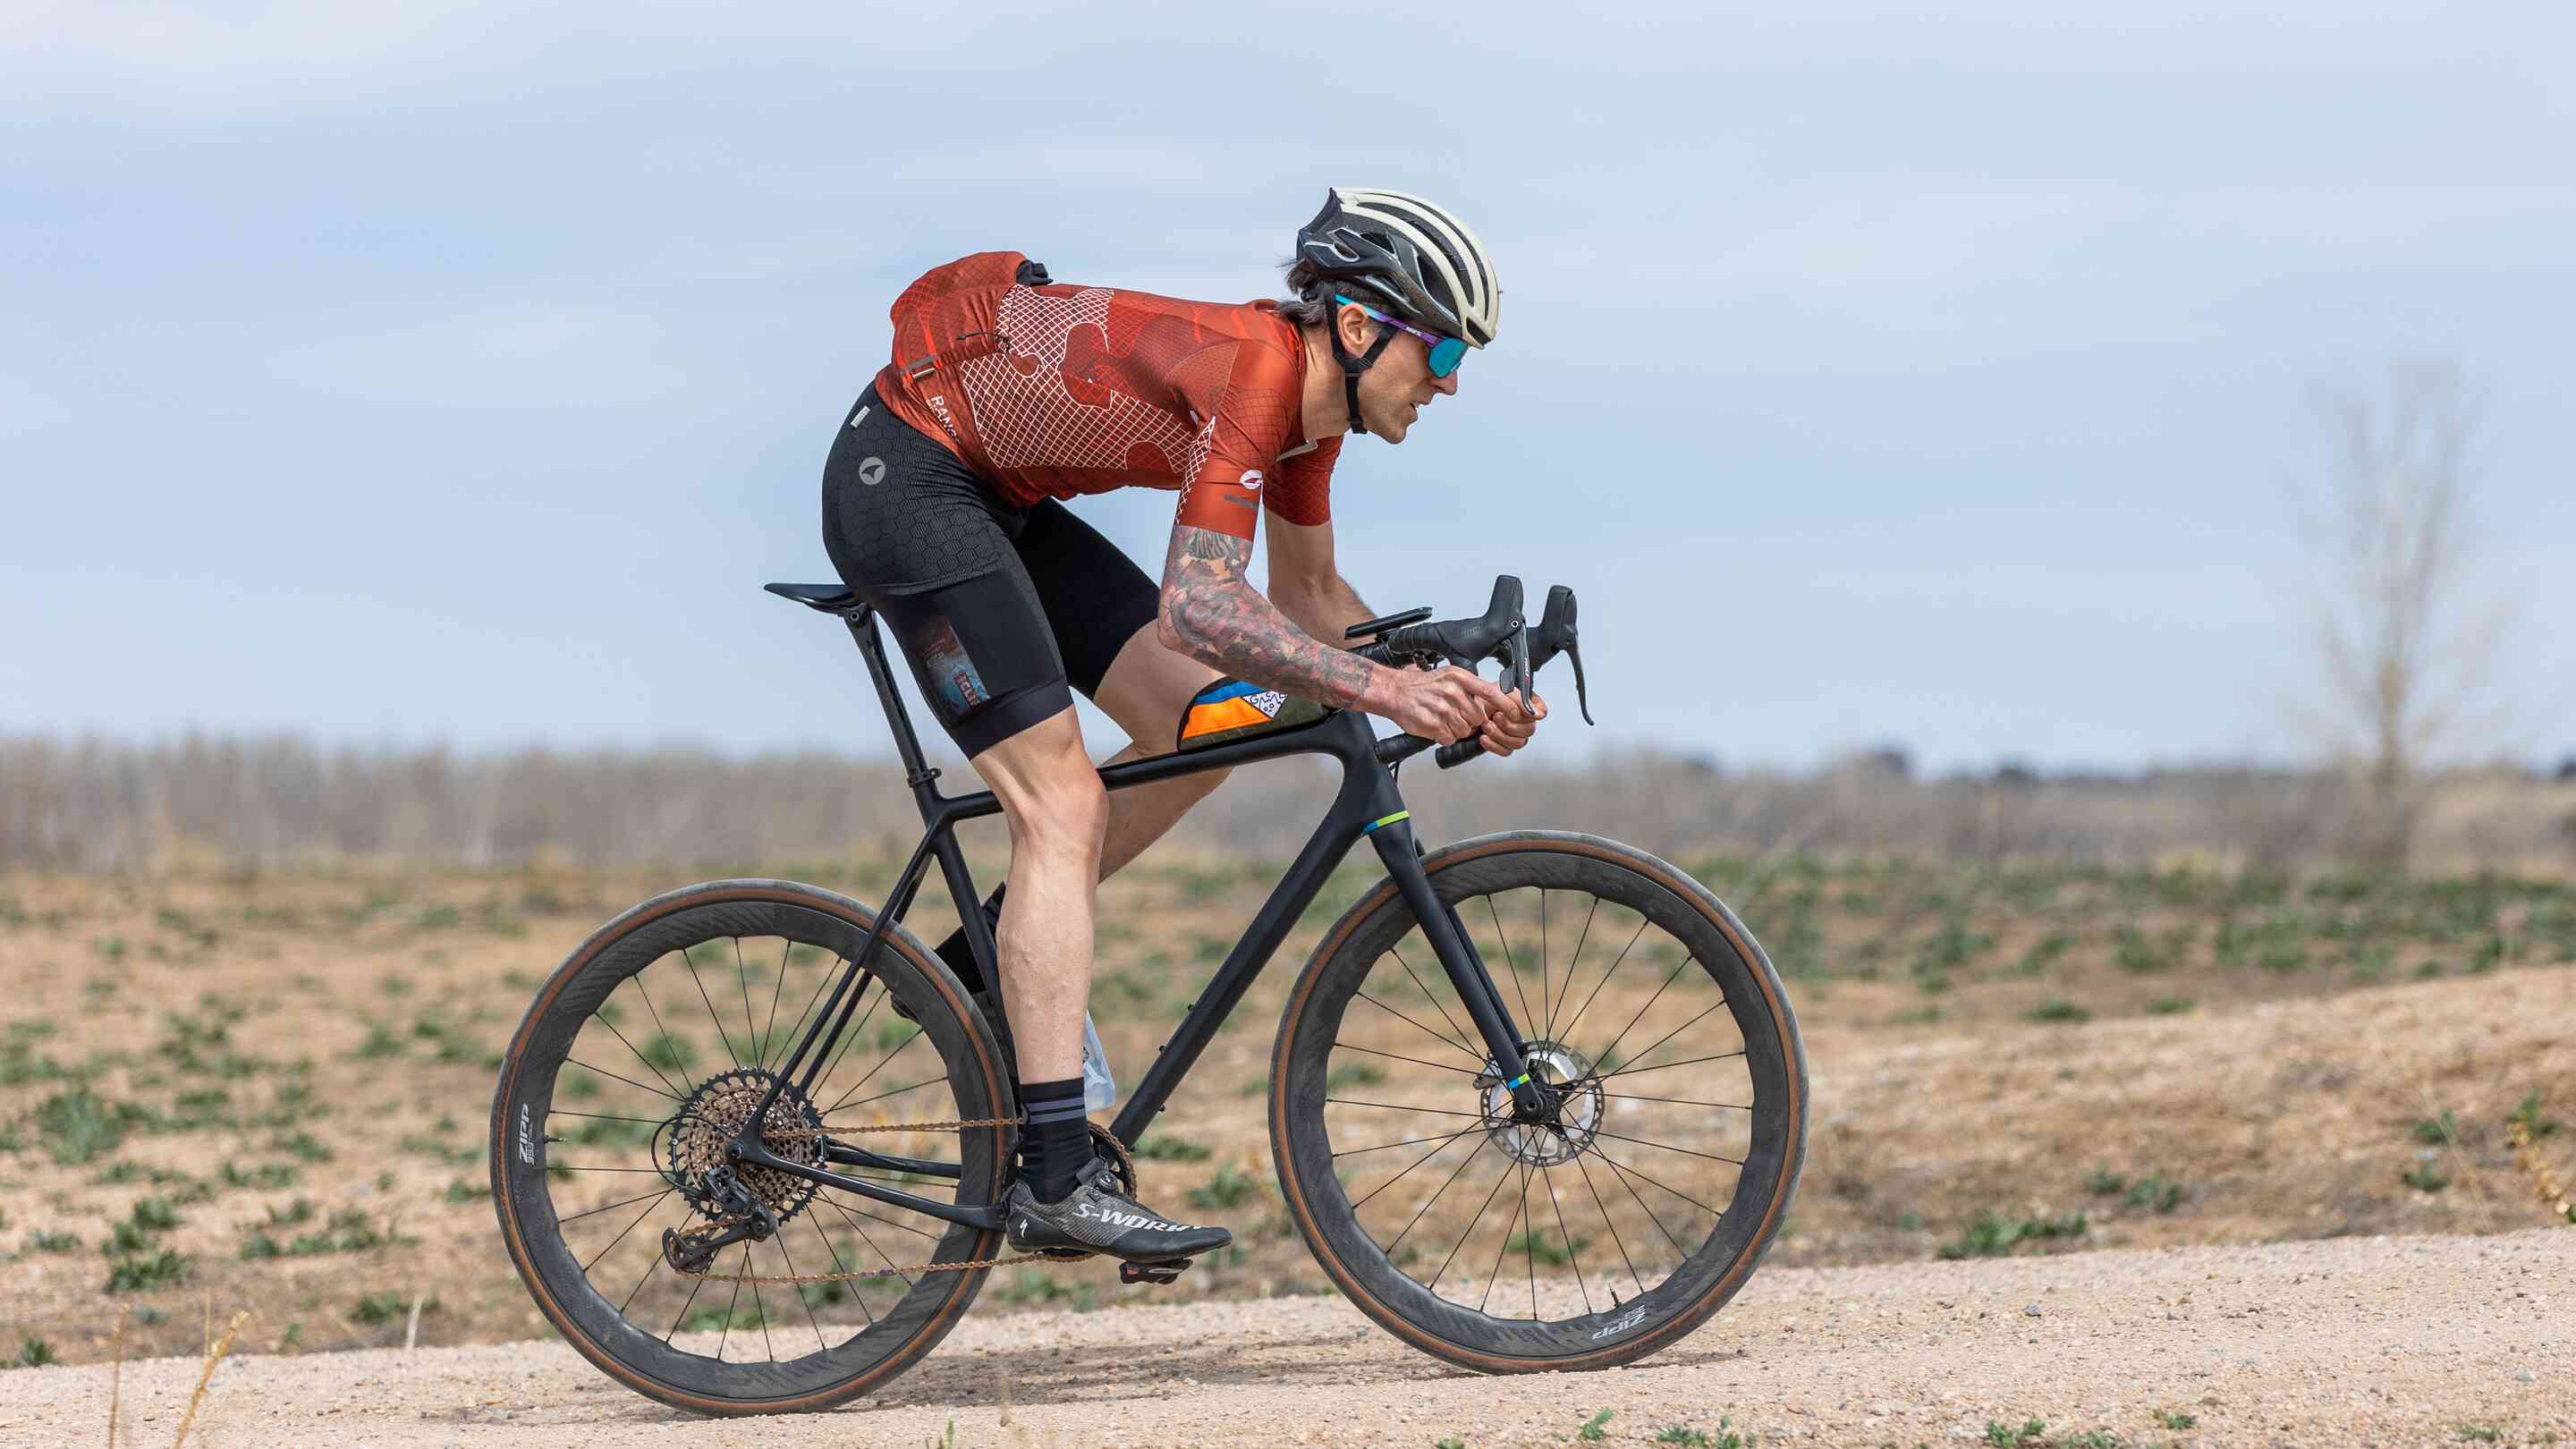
283, 1081
2390, 1341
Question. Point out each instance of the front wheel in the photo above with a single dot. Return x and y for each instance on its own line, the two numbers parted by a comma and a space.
1597, 1237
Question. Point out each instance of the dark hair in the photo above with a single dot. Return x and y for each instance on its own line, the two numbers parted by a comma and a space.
1309, 302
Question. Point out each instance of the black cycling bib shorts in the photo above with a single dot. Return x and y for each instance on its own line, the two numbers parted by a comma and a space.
1002, 612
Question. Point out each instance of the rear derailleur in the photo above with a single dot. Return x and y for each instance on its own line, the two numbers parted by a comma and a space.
739, 1216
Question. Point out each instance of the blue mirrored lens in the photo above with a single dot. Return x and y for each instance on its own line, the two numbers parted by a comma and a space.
1446, 355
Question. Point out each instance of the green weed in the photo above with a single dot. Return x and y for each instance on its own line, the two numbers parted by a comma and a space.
1592, 1427
2175, 1419
1541, 1248
2438, 1130
2005, 1436
2169, 1006
139, 1272
2056, 1010
378, 1309
2425, 1177
1164, 1147
1228, 1188
33, 1352
1991, 1236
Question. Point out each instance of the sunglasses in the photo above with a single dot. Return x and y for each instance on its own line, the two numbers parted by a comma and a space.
1446, 352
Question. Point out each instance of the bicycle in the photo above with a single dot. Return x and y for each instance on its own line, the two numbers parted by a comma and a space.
727, 1135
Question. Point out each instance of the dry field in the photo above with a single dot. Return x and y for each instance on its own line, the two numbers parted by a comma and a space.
269, 1092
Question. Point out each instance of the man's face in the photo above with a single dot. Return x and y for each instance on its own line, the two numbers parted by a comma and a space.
1395, 389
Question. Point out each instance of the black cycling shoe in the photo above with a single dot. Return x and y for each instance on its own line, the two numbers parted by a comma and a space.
1099, 1217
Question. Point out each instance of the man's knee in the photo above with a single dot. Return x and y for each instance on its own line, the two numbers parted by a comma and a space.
1067, 816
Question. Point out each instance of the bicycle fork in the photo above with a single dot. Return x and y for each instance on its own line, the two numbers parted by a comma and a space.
1449, 941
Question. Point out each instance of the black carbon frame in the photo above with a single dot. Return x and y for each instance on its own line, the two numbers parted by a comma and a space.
1367, 803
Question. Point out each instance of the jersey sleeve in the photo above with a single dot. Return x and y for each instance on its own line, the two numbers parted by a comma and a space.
1249, 421
1301, 489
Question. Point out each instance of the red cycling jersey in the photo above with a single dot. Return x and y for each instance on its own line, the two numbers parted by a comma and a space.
1049, 390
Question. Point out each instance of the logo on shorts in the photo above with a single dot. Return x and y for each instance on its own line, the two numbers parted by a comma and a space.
1250, 482
872, 472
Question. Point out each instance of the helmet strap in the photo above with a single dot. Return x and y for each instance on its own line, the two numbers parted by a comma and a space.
1352, 366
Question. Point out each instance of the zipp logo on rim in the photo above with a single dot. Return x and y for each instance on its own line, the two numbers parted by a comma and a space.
1622, 1323
527, 1138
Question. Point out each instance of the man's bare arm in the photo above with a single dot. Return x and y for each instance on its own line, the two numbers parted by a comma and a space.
1306, 585
1211, 612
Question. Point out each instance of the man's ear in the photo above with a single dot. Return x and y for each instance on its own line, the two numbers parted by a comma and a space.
1356, 328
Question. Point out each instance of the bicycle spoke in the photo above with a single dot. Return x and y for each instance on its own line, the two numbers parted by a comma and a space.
1677, 1101
760, 1309
796, 1029
630, 1081
1666, 1146
651, 1266
871, 1242
1398, 1057
639, 1056
1572, 966
839, 1266
1677, 1031
1598, 1151
1400, 1107
760, 1049
1497, 1191
1667, 1066
1407, 1142
605, 1207
1477, 1057
727, 1335
1622, 1174
664, 1032
1615, 962
1481, 1144
1571, 1251
857, 1029
730, 1053
1543, 1002
695, 1283
1496, 1272
845, 1103
622, 1232
1513, 966
1427, 996
1417, 1162
1604, 1053
1612, 1226
799, 1291
601, 1116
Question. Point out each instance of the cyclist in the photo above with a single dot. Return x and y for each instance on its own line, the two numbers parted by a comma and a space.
1009, 392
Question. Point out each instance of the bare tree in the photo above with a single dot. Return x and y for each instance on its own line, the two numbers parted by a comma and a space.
2404, 643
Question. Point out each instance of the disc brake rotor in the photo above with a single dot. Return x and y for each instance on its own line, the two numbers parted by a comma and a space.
1578, 1114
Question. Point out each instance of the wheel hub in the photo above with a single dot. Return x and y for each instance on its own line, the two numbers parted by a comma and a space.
696, 1141
1565, 1132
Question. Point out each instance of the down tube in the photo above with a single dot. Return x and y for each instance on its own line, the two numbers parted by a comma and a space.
1365, 788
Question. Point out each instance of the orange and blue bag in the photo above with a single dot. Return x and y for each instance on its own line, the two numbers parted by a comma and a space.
1232, 709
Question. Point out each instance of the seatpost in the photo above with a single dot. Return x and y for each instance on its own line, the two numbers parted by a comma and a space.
916, 771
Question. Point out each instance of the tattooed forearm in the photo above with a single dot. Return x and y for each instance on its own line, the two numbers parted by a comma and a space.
1212, 613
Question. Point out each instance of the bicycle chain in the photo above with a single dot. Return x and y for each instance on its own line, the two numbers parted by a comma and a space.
862, 1275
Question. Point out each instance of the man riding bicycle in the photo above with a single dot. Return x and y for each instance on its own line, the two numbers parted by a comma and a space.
942, 507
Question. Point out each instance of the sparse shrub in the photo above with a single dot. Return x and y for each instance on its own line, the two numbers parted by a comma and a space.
2169, 1006
2438, 1130
378, 1309
1164, 1147
1228, 1188
2005, 1436
1592, 1429
2056, 1010
52, 1242
2425, 1177
33, 1352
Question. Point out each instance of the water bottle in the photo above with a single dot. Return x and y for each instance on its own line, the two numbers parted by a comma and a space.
1099, 1088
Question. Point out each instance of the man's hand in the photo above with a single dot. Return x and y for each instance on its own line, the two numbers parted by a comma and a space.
1446, 705
1508, 728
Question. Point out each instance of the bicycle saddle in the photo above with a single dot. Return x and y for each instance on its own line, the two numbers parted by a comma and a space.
829, 598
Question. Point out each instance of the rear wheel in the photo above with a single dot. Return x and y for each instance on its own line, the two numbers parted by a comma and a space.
644, 1054
1640, 1207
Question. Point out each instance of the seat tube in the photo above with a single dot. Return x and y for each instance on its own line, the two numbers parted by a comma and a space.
1395, 846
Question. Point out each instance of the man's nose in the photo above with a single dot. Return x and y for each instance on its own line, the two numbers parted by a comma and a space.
1445, 386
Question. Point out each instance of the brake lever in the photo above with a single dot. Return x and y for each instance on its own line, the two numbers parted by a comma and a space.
1557, 635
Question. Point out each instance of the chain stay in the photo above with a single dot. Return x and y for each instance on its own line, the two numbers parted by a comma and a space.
1126, 1163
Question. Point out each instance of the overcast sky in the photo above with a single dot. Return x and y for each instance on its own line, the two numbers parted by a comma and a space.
399, 374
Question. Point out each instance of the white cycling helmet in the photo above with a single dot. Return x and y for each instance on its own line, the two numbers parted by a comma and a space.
1422, 263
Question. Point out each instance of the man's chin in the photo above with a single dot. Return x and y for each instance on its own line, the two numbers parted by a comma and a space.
1395, 430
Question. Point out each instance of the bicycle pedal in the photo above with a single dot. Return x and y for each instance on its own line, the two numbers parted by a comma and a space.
1165, 1270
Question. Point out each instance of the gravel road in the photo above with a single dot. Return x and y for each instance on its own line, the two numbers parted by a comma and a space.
2389, 1341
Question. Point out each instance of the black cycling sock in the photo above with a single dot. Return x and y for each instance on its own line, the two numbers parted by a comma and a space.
1058, 1140
953, 950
